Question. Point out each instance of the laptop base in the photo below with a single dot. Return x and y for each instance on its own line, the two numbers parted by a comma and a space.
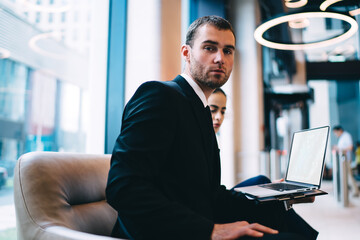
286, 197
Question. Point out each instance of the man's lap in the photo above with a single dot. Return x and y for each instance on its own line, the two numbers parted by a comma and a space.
274, 215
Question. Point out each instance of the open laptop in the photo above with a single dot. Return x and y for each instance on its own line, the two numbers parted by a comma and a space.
305, 166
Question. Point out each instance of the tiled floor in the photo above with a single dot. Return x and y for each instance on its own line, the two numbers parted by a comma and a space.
332, 220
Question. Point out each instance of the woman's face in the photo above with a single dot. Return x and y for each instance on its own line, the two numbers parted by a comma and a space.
217, 103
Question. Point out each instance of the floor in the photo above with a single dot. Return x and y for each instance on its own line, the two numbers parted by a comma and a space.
330, 218
7, 217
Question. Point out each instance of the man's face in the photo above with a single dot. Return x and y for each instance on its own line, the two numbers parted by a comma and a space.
337, 133
210, 59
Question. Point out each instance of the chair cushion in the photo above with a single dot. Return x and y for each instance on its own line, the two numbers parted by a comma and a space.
62, 189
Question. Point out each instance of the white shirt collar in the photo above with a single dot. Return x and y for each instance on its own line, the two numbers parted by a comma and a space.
196, 88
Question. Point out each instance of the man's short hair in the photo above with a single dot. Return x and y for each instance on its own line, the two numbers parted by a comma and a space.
338, 128
216, 21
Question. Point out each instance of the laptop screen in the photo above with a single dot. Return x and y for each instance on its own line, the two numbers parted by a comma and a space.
307, 155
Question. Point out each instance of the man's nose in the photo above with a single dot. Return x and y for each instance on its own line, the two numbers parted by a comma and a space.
219, 58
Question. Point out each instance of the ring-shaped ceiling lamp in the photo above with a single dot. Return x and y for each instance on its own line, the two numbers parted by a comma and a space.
260, 30
328, 3
295, 4
299, 23
33, 44
354, 12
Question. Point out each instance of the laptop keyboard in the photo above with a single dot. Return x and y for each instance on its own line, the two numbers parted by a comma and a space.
281, 186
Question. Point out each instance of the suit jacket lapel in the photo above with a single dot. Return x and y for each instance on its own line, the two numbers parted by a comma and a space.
198, 110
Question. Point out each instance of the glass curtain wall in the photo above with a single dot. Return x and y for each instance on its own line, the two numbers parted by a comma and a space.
46, 72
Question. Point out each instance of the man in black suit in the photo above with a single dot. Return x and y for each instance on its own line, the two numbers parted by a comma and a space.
164, 179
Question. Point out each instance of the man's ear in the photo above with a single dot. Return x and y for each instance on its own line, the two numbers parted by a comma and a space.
185, 52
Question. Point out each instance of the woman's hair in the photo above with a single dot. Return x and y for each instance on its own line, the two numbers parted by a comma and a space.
219, 90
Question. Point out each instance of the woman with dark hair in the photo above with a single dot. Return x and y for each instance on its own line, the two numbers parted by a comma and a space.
217, 103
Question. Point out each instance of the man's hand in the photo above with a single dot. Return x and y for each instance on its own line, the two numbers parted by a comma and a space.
239, 229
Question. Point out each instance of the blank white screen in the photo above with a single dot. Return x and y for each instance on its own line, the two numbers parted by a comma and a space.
307, 156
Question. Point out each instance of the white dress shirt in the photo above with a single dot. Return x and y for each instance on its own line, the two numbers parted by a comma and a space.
196, 88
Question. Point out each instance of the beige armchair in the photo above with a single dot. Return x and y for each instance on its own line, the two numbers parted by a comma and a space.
62, 196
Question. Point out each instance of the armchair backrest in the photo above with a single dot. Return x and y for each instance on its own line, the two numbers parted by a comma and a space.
62, 196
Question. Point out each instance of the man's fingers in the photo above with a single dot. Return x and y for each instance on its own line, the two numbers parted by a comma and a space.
263, 228
252, 233
239, 229
256, 230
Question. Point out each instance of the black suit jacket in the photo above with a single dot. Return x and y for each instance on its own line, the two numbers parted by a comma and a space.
164, 179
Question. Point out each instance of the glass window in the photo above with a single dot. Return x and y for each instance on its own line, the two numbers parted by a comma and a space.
76, 16
88, 34
63, 17
43, 85
12, 90
89, 16
51, 17
42, 109
37, 17
63, 34
75, 35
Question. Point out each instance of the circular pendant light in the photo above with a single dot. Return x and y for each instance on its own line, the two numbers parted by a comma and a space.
295, 4
260, 30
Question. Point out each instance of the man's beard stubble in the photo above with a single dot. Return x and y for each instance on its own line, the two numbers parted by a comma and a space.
201, 76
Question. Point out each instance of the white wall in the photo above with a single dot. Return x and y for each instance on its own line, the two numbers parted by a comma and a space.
247, 91
143, 56
319, 111
94, 124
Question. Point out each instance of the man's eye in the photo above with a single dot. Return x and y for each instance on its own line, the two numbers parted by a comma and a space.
209, 48
228, 51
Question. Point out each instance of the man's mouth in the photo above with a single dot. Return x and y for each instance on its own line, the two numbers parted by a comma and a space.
218, 71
